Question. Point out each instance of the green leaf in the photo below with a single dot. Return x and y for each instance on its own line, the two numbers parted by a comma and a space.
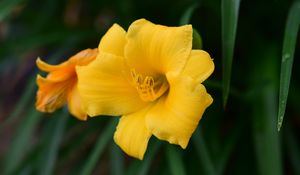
21, 141
292, 149
266, 139
197, 41
187, 15
6, 6
228, 147
230, 12
96, 153
145, 165
22, 103
116, 160
289, 44
53, 137
26, 170
203, 153
142, 167
185, 19
175, 161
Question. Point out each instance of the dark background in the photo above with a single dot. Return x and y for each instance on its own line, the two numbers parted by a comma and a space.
241, 138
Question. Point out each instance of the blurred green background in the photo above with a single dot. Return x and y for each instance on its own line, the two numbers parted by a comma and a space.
238, 139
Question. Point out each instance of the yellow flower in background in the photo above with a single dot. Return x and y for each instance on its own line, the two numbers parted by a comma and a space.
60, 85
152, 77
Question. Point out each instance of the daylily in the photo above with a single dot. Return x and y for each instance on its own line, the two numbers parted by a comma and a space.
60, 85
152, 78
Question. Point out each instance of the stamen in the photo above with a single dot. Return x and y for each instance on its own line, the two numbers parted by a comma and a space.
146, 86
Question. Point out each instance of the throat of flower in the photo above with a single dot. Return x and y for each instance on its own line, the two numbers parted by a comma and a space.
148, 88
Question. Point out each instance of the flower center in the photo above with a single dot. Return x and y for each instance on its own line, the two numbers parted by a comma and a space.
149, 89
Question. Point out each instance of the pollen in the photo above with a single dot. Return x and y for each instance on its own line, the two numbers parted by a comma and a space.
147, 88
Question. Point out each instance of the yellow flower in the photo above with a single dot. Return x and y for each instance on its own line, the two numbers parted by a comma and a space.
152, 77
60, 85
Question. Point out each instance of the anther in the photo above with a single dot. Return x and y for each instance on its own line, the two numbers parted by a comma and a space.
144, 86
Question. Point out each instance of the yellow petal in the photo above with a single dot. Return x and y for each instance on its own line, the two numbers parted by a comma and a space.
48, 67
175, 116
132, 135
156, 49
81, 58
84, 57
65, 74
66, 70
51, 95
105, 89
113, 41
74, 104
199, 66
